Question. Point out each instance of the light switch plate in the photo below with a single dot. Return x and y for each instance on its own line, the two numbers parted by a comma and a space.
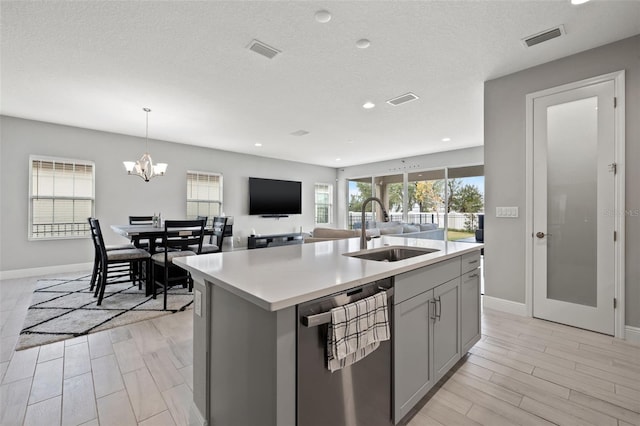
198, 303
510, 212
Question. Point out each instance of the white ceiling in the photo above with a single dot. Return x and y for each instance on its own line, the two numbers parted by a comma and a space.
96, 64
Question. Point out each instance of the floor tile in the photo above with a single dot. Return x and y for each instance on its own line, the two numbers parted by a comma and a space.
13, 401
162, 419
144, 395
47, 381
106, 375
115, 410
44, 413
22, 365
78, 401
76, 360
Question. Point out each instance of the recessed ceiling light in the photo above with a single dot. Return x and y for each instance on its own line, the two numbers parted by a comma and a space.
363, 43
578, 1
337, 159
368, 105
323, 16
446, 139
258, 144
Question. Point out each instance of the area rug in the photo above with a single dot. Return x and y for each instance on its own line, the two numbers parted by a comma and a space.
63, 308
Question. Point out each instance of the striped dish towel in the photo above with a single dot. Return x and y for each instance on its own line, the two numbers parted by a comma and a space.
356, 330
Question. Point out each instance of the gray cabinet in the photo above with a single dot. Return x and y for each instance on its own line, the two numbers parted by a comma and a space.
446, 328
436, 320
470, 309
470, 300
425, 328
413, 376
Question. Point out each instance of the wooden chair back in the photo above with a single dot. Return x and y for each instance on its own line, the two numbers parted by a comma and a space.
140, 220
180, 234
219, 224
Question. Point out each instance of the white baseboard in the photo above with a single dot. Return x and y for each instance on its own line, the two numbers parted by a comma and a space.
504, 305
47, 270
195, 417
632, 334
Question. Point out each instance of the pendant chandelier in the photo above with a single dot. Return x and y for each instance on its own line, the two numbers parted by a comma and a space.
144, 167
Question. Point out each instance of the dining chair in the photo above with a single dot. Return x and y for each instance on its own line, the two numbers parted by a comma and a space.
115, 265
96, 257
179, 236
212, 246
140, 220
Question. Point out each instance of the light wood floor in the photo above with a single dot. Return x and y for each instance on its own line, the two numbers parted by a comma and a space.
139, 374
527, 371
524, 371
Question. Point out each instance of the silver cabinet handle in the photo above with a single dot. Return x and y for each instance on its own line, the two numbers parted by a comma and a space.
471, 278
439, 306
434, 310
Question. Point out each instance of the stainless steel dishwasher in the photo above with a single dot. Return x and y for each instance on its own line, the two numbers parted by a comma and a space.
357, 395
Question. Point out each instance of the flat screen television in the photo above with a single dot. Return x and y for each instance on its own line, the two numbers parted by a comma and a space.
274, 198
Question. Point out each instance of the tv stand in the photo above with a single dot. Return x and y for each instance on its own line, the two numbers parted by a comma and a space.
263, 241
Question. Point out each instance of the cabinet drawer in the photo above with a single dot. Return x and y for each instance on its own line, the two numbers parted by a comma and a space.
470, 261
420, 280
470, 276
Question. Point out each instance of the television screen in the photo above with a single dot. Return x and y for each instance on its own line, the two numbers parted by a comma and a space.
272, 197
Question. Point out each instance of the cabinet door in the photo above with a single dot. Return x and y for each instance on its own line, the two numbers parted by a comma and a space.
412, 350
470, 309
446, 331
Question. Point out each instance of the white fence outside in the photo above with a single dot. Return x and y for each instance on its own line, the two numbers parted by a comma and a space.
455, 220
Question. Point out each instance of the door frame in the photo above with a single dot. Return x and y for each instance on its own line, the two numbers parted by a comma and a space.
618, 78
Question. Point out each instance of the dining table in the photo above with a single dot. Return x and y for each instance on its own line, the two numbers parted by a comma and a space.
137, 233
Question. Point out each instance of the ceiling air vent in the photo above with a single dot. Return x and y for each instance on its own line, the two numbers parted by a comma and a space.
544, 36
402, 99
263, 49
300, 133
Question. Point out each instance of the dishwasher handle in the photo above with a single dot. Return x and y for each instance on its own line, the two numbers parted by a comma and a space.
325, 317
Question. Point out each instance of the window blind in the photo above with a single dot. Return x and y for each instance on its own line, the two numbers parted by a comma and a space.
61, 198
204, 195
323, 203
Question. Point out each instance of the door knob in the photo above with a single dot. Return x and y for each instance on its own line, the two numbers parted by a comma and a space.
542, 235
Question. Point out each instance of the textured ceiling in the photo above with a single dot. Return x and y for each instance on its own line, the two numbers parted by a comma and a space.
96, 64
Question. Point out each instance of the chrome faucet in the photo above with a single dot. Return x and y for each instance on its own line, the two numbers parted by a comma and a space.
363, 235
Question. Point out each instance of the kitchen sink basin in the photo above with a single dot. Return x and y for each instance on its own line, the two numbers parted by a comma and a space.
391, 253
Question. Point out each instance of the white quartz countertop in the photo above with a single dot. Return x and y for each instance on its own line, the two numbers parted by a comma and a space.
279, 277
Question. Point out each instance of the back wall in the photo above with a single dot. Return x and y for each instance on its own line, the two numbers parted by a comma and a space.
119, 195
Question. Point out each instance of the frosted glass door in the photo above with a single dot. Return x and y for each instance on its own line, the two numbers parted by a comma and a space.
573, 225
572, 199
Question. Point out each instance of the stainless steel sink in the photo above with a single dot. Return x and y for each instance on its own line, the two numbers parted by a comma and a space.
391, 253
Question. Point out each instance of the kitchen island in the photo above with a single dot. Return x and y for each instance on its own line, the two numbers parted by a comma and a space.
245, 318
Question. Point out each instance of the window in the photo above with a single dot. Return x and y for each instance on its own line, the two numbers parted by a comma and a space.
324, 203
61, 197
204, 195
359, 190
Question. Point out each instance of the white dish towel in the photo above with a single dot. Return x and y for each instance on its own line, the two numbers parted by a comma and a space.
356, 330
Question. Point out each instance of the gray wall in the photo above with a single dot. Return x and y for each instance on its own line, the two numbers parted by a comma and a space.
456, 158
119, 195
504, 144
